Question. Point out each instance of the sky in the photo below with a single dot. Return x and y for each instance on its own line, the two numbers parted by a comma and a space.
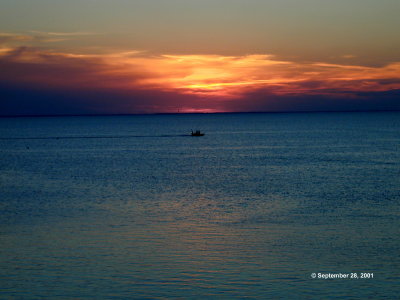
169, 56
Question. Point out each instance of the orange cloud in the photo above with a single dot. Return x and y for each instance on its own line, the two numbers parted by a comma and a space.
234, 76
222, 78
206, 75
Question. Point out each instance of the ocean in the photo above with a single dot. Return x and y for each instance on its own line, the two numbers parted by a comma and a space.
133, 207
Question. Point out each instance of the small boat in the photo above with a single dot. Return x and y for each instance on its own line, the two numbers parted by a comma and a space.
197, 133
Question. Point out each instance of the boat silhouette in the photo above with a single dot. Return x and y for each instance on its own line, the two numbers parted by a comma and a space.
197, 133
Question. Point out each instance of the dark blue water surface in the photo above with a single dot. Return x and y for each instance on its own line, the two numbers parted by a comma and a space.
134, 207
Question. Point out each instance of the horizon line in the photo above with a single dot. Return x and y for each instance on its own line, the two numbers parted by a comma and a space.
194, 113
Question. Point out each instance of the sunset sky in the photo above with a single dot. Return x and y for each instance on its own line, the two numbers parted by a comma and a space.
159, 56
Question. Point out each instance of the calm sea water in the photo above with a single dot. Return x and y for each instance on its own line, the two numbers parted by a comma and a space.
133, 207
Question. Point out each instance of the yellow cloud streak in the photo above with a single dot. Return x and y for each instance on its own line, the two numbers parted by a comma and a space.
222, 76
235, 75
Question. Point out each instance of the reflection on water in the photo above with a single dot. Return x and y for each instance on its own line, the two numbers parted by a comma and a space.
249, 210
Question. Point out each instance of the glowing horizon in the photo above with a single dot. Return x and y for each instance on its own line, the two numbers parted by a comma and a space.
146, 74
